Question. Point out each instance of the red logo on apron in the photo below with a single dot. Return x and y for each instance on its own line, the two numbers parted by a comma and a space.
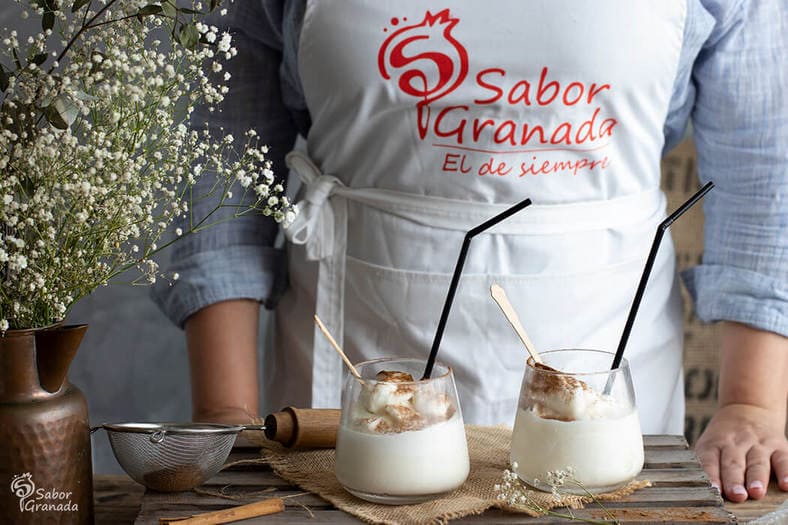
402, 49
429, 63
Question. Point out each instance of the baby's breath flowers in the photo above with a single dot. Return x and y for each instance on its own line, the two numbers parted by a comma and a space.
97, 155
513, 494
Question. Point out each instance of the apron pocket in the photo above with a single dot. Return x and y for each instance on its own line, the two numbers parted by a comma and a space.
392, 312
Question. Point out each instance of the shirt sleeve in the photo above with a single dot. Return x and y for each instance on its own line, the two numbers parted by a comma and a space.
740, 121
235, 258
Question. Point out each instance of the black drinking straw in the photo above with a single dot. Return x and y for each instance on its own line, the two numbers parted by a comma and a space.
436, 343
661, 229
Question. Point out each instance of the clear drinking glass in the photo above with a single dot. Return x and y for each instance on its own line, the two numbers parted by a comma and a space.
580, 418
401, 442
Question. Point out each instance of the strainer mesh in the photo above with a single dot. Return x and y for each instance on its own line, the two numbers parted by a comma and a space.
178, 462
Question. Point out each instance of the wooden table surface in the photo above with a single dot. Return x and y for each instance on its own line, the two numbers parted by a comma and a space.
680, 495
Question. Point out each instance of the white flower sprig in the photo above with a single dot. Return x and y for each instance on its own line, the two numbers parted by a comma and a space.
97, 154
513, 494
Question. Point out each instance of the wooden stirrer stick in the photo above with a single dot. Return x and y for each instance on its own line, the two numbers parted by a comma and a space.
499, 295
337, 348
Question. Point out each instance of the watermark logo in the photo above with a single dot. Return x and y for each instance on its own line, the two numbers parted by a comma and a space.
32, 499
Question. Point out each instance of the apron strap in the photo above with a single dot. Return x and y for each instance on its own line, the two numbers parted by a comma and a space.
462, 215
321, 227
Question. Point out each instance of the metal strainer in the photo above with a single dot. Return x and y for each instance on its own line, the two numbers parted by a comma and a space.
171, 457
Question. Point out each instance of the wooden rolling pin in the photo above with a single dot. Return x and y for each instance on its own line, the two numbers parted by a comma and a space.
303, 427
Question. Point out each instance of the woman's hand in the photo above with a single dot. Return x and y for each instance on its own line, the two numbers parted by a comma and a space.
745, 440
741, 445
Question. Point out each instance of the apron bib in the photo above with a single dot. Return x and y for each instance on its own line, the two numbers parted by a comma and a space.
429, 120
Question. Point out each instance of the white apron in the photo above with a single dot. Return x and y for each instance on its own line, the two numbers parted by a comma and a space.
429, 120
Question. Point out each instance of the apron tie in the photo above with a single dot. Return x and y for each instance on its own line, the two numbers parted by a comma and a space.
313, 226
321, 227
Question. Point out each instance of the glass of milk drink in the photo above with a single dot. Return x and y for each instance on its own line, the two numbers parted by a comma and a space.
401, 440
580, 416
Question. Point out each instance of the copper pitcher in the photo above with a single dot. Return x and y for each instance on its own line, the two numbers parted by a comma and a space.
45, 461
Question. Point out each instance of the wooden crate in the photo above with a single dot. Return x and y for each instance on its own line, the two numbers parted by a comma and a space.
680, 494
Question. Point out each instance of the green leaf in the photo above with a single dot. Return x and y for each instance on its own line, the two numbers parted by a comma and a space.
27, 184
215, 4
48, 20
16, 59
168, 8
150, 9
39, 59
188, 36
3, 79
188, 11
81, 95
54, 117
66, 108
60, 112
47, 100
79, 4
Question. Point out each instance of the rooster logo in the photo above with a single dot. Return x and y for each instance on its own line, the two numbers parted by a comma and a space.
429, 61
23, 487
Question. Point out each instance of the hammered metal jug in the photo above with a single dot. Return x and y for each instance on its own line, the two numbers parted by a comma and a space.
45, 460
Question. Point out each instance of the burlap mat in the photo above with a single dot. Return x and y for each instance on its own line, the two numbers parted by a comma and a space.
313, 471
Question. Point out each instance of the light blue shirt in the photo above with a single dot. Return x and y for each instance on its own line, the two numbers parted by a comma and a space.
732, 81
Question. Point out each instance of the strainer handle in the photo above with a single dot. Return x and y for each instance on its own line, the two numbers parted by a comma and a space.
253, 427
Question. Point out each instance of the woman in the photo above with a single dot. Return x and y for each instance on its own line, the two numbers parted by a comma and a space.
422, 122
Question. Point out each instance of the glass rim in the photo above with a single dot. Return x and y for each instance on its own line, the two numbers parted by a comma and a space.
530, 363
448, 373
